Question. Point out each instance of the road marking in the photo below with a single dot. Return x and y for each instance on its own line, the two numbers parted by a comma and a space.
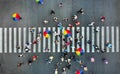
102, 38
117, 39
15, 39
68, 47
107, 37
30, 35
58, 47
24, 37
112, 36
10, 44
53, 44
5, 40
19, 36
34, 39
44, 40
62, 39
1, 38
83, 39
78, 36
39, 44
10, 40
88, 38
98, 38
73, 37
93, 39
49, 41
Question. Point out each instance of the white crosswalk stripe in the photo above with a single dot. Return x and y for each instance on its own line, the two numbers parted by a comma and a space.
98, 38
93, 39
68, 47
15, 39
107, 37
12, 37
63, 37
39, 44
78, 35
88, 38
1, 39
34, 39
44, 41
49, 41
10, 40
102, 37
5, 40
117, 39
53, 44
24, 37
73, 42
29, 38
112, 35
19, 39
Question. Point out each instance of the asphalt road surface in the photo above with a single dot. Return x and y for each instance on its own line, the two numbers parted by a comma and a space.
33, 14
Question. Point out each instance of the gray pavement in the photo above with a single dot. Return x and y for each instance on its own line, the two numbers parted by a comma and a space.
33, 14
9, 65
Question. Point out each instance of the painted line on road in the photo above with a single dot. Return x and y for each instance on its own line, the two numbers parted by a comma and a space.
93, 39
73, 37
19, 36
30, 35
117, 39
83, 39
102, 38
53, 44
10, 40
112, 36
5, 40
62, 40
68, 47
88, 38
98, 37
78, 37
15, 39
58, 47
1, 39
44, 40
107, 37
49, 40
34, 39
39, 44
24, 37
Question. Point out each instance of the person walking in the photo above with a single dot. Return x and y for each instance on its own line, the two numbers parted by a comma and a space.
52, 12
102, 18
60, 5
80, 11
91, 24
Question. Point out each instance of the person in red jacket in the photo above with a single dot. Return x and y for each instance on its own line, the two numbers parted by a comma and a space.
102, 18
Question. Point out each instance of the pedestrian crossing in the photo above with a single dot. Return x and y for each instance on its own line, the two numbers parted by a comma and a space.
10, 38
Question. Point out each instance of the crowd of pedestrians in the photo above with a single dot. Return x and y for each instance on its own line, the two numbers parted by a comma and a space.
65, 57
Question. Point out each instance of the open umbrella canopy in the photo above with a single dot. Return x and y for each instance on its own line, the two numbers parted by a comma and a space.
79, 72
39, 1
47, 33
16, 16
79, 51
67, 33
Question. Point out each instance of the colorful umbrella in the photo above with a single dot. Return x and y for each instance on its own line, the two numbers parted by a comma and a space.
39, 1
47, 33
67, 33
79, 72
79, 51
16, 17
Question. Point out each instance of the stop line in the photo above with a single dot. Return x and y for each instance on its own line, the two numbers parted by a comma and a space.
10, 38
